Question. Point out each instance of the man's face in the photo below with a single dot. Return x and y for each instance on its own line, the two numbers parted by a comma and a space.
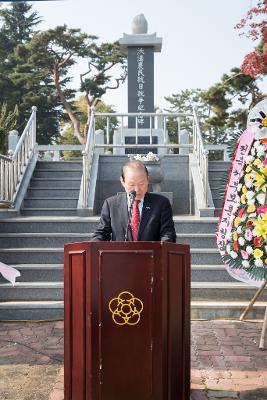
135, 179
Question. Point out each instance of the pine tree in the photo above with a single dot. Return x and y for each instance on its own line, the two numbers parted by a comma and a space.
21, 83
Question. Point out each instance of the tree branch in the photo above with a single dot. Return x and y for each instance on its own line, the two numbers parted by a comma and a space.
75, 122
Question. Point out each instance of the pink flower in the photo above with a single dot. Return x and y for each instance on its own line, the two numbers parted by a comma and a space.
248, 234
262, 209
265, 160
244, 254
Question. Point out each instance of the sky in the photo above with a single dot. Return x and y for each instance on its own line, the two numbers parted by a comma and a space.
199, 42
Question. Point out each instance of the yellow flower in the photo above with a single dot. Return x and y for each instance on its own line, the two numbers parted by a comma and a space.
235, 236
260, 225
264, 169
244, 189
237, 222
251, 208
248, 169
247, 177
265, 261
258, 253
257, 162
259, 180
243, 199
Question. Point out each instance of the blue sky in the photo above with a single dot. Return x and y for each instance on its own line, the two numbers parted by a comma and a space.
199, 39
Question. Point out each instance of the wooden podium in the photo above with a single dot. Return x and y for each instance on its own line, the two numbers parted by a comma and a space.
127, 321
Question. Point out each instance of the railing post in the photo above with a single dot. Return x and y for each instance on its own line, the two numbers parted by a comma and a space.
206, 175
34, 109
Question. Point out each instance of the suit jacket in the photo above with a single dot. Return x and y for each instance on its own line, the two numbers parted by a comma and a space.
156, 220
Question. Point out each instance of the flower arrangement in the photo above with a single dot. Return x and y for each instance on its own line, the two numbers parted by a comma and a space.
246, 244
148, 157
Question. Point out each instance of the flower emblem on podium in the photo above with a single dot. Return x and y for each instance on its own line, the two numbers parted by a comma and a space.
126, 309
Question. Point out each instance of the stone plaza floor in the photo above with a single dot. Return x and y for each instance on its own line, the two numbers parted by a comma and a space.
226, 362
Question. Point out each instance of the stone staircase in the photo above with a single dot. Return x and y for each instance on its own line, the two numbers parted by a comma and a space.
34, 243
54, 189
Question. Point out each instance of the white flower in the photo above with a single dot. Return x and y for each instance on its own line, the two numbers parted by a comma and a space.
249, 194
254, 233
233, 254
257, 144
253, 152
228, 248
228, 236
252, 215
245, 264
251, 201
243, 219
261, 198
239, 229
260, 150
258, 262
249, 183
149, 157
241, 241
249, 159
249, 250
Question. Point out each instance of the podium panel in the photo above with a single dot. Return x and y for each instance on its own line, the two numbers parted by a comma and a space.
127, 321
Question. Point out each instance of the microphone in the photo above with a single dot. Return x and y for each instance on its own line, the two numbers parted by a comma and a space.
132, 196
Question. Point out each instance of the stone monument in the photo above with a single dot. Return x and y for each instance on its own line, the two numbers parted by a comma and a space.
140, 48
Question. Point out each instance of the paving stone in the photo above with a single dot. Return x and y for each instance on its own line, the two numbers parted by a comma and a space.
226, 362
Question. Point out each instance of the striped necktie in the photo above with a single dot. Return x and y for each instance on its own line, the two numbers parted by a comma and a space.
135, 221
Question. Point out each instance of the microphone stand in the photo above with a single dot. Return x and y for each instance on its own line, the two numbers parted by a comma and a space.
132, 197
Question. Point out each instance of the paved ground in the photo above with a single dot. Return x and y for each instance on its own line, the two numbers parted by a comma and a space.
226, 361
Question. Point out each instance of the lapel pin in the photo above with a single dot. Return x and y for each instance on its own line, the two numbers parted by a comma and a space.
148, 208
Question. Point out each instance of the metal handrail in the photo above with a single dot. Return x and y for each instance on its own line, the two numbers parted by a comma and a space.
87, 153
12, 168
202, 155
198, 146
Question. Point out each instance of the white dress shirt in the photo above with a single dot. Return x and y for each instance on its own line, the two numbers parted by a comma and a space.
140, 205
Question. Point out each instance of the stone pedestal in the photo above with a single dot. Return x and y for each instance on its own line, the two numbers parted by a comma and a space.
128, 135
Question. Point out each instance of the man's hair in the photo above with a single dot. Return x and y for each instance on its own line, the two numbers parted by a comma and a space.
134, 164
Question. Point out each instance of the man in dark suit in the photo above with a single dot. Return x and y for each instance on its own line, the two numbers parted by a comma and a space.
151, 212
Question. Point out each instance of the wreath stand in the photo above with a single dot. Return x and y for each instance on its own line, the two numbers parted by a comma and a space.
250, 305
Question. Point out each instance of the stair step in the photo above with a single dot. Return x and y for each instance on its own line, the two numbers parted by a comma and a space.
58, 165
52, 255
226, 309
31, 291
52, 192
31, 310
55, 224
219, 164
232, 291
57, 174
55, 183
210, 273
217, 174
32, 255
39, 240
41, 310
44, 239
49, 211
197, 239
59, 203
38, 273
